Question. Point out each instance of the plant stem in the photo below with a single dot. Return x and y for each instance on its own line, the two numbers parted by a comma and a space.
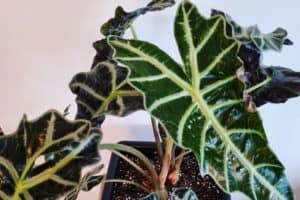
182, 154
174, 175
166, 161
133, 32
127, 182
157, 139
138, 154
173, 156
132, 164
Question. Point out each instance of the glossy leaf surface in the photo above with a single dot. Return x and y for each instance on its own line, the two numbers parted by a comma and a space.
117, 104
201, 105
44, 157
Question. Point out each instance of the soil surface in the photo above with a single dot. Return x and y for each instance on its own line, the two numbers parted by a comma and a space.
204, 187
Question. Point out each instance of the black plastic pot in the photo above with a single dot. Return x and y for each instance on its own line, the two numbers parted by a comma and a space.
113, 168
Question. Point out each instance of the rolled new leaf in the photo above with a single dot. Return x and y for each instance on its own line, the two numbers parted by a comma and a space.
201, 105
105, 90
43, 159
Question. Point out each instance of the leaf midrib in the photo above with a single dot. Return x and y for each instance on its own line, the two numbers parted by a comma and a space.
204, 108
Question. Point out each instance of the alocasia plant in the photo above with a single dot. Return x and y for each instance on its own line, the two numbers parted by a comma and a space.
201, 104
105, 90
43, 159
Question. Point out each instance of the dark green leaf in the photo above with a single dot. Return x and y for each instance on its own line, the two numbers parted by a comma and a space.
269, 41
122, 19
44, 157
284, 83
183, 194
104, 90
156, 5
201, 104
104, 52
115, 26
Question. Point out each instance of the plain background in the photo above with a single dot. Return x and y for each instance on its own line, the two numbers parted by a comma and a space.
44, 43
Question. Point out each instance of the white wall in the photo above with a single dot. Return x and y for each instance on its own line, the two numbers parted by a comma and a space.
44, 43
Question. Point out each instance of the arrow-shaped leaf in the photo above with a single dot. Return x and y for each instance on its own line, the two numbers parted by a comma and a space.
44, 157
201, 104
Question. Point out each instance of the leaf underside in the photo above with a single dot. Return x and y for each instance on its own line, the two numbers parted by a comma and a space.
201, 105
44, 157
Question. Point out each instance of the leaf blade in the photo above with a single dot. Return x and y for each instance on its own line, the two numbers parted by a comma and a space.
211, 120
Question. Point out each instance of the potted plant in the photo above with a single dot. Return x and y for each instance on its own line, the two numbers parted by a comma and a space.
203, 113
